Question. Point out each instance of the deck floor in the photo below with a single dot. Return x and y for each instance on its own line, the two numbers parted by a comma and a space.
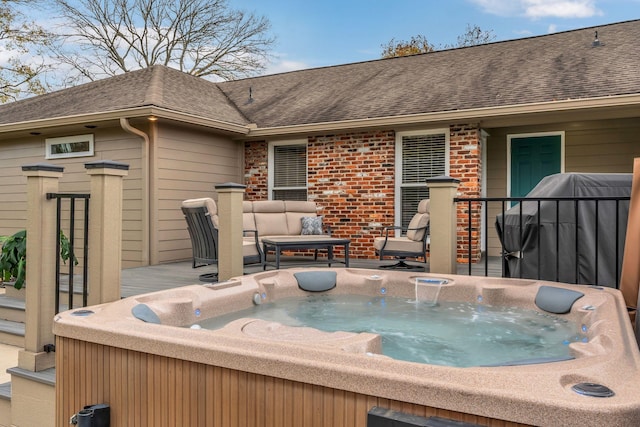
140, 280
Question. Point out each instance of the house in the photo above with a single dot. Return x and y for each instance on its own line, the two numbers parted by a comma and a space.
359, 139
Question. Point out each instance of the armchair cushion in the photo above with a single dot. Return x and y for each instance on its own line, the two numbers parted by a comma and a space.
418, 226
397, 244
311, 225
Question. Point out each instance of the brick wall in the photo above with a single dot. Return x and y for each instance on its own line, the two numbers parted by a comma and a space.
352, 177
466, 165
255, 170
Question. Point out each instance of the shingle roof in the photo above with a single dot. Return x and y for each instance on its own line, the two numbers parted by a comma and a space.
558, 66
553, 67
158, 86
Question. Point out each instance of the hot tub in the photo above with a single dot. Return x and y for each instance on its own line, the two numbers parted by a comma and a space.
136, 355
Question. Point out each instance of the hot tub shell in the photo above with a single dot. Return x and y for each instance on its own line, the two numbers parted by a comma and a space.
255, 373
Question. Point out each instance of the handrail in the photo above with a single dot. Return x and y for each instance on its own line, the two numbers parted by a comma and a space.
484, 201
72, 219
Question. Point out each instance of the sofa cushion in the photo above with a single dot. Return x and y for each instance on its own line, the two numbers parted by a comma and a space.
311, 225
270, 217
295, 210
249, 248
248, 222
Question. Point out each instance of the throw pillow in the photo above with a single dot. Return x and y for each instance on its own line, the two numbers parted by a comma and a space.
311, 225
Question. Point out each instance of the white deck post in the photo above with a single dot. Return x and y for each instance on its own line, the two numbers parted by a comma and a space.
230, 262
443, 224
105, 230
41, 266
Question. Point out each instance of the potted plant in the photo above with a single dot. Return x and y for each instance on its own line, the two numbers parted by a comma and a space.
13, 257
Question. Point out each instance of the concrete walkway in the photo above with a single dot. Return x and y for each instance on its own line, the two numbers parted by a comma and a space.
8, 357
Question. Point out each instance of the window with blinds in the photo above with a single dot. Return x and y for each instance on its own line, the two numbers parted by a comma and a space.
289, 174
422, 157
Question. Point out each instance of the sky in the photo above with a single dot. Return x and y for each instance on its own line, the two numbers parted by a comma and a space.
317, 33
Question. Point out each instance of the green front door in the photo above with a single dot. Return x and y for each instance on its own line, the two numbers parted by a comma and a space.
533, 158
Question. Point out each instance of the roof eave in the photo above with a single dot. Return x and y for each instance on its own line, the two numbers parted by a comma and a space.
147, 111
454, 116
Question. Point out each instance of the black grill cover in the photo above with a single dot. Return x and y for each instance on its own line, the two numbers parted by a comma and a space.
532, 234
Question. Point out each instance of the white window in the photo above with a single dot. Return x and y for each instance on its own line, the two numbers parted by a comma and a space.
288, 170
69, 146
419, 155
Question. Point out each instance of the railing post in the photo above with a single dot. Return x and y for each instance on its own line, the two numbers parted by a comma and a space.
41, 266
230, 262
105, 230
443, 224
630, 277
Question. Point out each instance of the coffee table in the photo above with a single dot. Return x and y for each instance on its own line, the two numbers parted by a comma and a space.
278, 244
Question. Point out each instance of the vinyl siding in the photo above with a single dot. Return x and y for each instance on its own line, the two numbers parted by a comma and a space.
188, 164
110, 144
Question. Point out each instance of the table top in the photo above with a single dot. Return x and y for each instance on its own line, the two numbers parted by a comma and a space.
308, 239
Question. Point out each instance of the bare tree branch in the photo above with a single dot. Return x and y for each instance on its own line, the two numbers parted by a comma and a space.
23, 70
201, 37
473, 36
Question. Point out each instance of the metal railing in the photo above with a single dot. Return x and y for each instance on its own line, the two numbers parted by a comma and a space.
576, 231
72, 198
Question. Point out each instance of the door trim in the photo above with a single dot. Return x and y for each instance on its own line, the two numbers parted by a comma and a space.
533, 135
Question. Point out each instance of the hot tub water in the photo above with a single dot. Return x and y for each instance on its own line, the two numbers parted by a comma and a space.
459, 334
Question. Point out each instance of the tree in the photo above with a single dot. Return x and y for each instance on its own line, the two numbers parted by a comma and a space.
201, 37
419, 44
21, 42
475, 36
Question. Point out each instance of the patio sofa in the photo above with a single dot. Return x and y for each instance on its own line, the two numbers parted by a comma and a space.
272, 218
278, 218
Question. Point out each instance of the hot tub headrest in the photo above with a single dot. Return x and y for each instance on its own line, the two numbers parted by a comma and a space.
144, 313
556, 300
316, 281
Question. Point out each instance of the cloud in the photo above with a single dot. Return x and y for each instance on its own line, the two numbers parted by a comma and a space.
499, 7
560, 9
536, 9
282, 66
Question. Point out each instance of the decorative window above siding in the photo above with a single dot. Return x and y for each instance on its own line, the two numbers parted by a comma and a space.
419, 155
288, 171
69, 146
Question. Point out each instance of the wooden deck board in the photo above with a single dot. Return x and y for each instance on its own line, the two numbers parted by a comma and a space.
140, 280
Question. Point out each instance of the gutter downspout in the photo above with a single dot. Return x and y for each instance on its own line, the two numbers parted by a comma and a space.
146, 234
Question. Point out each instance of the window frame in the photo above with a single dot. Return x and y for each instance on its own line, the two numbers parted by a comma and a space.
399, 185
50, 142
271, 166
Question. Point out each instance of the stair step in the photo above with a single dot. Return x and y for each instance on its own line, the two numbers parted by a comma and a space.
48, 376
11, 308
12, 333
5, 391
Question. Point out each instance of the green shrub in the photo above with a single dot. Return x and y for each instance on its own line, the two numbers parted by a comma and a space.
13, 256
